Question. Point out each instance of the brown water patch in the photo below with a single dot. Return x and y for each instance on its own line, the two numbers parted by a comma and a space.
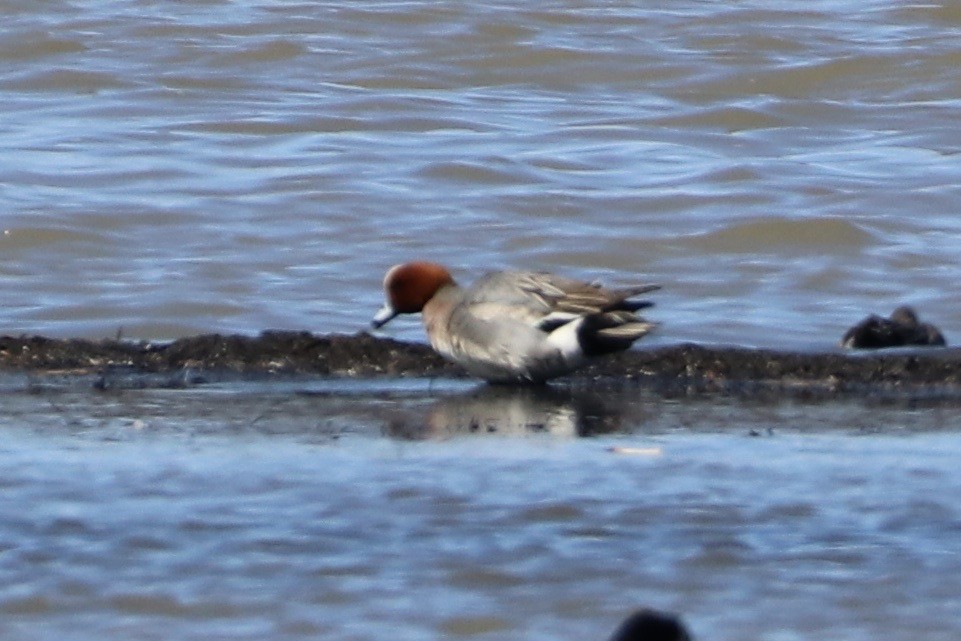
66, 80
38, 44
784, 235
473, 626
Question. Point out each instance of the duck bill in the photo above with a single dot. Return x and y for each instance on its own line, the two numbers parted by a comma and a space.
382, 317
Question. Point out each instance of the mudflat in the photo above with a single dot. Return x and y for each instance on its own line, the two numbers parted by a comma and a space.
670, 370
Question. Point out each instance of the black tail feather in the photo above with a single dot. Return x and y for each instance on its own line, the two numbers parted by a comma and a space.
634, 305
609, 332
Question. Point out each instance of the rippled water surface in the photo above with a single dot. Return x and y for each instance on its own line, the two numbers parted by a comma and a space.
416, 510
235, 166
166, 169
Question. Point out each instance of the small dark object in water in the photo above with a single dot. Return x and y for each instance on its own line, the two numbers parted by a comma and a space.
902, 328
651, 625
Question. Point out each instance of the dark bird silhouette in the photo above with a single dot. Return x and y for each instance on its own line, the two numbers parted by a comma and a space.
651, 625
900, 329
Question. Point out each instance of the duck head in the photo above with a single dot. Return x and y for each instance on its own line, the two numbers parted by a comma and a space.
408, 287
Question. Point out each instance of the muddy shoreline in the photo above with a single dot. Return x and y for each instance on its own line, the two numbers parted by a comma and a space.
669, 370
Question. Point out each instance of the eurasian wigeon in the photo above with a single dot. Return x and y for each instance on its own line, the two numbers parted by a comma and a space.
901, 329
651, 625
516, 326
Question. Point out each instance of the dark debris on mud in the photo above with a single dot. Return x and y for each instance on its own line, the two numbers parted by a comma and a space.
268, 353
672, 370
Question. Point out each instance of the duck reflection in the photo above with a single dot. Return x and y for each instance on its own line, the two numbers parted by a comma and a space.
518, 411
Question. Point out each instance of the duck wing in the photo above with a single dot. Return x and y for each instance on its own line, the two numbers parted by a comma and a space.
548, 301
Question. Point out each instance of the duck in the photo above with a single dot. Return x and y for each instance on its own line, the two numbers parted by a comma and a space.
651, 625
516, 326
902, 328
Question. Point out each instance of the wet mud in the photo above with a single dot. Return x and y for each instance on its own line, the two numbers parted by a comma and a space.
682, 369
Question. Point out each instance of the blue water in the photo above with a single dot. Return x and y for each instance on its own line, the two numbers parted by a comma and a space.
168, 170
240, 166
790, 536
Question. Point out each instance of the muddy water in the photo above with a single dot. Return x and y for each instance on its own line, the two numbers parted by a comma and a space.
441, 510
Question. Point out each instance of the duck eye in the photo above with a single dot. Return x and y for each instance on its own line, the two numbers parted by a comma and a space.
397, 285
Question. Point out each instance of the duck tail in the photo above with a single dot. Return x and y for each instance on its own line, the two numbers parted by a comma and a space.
609, 332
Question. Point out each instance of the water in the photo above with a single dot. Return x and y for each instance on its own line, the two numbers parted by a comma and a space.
236, 166
442, 510
167, 170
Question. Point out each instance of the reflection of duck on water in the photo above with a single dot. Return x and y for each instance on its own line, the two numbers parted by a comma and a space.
901, 329
650, 625
519, 411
